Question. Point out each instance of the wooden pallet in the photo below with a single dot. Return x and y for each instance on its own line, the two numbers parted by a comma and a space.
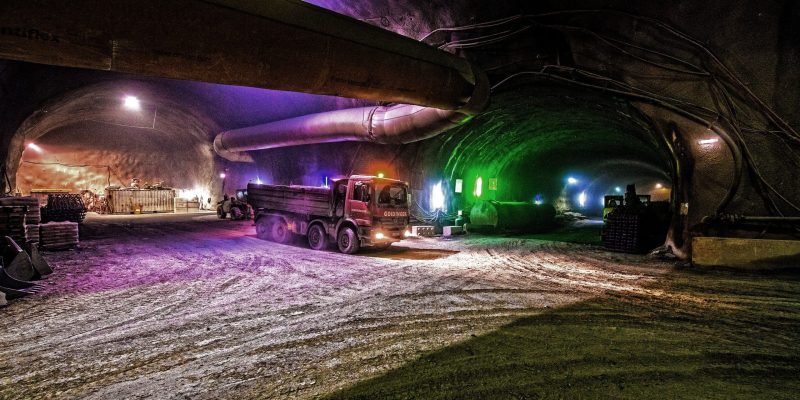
58, 235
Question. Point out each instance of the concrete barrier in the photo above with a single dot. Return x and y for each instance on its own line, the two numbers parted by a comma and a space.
752, 254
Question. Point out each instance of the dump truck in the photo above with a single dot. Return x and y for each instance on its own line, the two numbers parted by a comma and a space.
355, 212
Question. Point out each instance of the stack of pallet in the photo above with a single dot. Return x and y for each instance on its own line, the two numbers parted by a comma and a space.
186, 205
12, 223
32, 217
58, 235
33, 214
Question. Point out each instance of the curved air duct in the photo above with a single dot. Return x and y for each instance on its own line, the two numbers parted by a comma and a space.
388, 125
396, 124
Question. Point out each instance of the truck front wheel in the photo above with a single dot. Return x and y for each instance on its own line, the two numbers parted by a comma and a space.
347, 241
317, 238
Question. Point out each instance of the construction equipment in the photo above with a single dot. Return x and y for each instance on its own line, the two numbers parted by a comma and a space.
636, 225
235, 207
17, 262
354, 212
41, 265
21, 268
14, 288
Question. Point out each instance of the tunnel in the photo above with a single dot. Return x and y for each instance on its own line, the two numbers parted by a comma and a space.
399, 199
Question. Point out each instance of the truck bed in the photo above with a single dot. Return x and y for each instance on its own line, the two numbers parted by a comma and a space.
304, 200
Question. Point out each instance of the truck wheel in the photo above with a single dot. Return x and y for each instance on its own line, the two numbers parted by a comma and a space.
347, 241
280, 232
220, 214
317, 238
263, 229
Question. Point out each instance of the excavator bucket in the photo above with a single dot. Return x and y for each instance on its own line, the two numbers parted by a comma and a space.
41, 265
11, 288
11, 294
19, 265
8, 281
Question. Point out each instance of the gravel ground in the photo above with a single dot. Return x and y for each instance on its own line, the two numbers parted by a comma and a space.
187, 306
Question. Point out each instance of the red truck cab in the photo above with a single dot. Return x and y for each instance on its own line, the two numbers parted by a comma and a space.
378, 207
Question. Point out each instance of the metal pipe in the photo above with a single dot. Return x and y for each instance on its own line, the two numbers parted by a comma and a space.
388, 125
276, 44
737, 219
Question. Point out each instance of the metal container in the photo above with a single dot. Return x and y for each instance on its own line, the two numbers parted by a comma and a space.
511, 216
137, 201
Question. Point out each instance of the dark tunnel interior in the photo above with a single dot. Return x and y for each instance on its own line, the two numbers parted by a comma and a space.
369, 199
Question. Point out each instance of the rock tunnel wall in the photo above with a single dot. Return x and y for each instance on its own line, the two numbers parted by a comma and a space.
88, 140
627, 58
695, 71
85, 140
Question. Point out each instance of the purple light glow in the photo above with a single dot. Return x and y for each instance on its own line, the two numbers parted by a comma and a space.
131, 103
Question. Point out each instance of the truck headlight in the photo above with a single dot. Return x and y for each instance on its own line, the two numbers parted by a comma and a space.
379, 235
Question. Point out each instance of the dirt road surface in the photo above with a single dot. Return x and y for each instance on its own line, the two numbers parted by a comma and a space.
192, 307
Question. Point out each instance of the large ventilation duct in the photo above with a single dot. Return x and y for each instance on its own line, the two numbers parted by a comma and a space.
276, 44
388, 125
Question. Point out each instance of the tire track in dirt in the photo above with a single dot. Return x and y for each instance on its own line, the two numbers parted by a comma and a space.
208, 311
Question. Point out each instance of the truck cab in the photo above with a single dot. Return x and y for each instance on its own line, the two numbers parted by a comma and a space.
376, 207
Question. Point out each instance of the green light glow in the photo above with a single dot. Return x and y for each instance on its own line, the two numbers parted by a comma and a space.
478, 186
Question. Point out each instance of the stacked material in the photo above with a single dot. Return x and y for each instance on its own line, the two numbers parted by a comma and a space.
186, 206
58, 235
423, 230
34, 215
32, 233
64, 207
12, 223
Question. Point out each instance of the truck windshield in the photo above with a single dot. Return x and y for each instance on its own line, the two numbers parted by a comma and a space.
394, 194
